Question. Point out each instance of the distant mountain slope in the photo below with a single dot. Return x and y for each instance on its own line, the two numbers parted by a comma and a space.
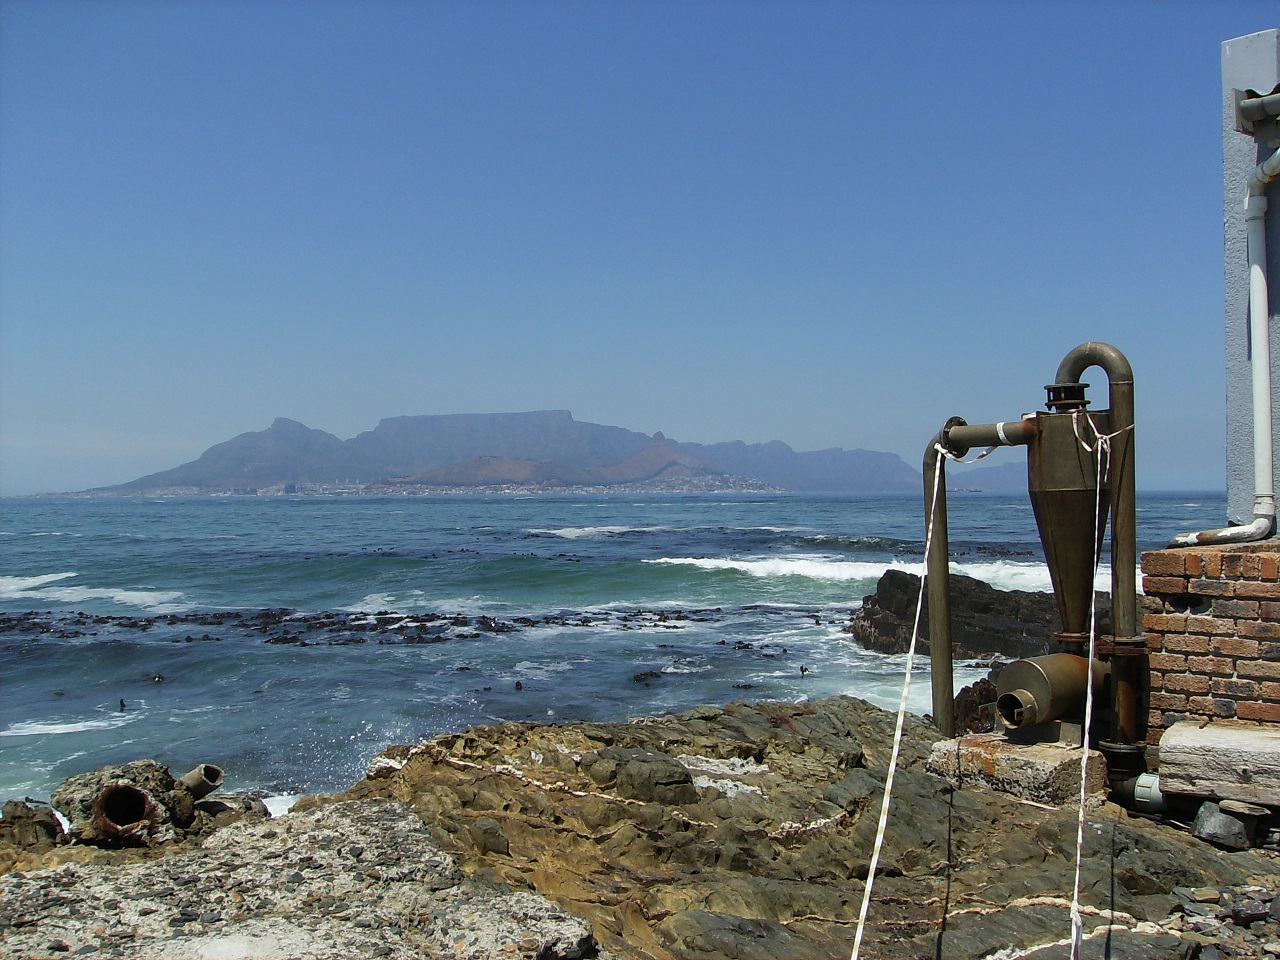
833, 470
545, 447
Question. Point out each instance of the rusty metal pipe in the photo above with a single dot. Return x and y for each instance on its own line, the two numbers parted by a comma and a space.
1039, 689
202, 781
121, 811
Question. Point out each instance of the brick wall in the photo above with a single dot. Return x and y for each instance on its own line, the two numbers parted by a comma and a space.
1212, 621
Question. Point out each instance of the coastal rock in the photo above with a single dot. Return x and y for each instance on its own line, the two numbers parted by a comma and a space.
343, 880
140, 804
763, 850
985, 621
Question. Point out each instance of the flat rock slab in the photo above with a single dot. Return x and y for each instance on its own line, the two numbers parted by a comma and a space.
1222, 761
355, 879
1042, 772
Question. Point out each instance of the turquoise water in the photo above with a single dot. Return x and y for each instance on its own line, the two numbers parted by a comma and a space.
401, 618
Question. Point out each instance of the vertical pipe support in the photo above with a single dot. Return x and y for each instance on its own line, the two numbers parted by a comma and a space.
1128, 655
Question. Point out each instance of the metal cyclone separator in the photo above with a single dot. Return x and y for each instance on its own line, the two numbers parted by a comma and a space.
1065, 444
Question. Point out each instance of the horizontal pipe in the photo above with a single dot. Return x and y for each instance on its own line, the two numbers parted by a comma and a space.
962, 438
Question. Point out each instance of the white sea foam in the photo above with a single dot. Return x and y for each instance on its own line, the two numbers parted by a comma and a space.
20, 586
38, 728
685, 665
810, 567
281, 804
581, 533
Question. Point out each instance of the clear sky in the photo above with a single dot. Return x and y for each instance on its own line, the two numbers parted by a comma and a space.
834, 224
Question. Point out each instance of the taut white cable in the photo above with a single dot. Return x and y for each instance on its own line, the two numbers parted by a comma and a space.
902, 712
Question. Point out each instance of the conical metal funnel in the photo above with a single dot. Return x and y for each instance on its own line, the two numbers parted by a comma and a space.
1062, 480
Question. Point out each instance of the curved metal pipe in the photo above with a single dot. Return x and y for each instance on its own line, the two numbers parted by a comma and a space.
1264, 498
1124, 533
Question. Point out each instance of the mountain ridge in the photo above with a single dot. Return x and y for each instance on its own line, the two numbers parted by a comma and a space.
547, 447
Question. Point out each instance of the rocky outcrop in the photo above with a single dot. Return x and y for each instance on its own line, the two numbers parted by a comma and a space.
984, 621
346, 880
746, 831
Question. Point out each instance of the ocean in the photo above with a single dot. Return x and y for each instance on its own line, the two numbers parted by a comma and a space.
289, 639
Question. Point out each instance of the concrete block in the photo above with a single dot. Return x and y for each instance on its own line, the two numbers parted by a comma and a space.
1043, 772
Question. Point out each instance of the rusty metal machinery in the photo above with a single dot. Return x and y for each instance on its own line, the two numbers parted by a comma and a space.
1065, 444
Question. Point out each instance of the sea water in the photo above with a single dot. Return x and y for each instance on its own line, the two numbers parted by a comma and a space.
134, 628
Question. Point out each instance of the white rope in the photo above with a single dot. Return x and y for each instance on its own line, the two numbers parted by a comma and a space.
902, 713
1102, 446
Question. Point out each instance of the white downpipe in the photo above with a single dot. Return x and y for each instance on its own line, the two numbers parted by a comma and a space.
1264, 498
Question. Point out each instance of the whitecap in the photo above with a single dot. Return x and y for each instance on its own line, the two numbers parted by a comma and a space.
686, 665
809, 567
45, 728
19, 586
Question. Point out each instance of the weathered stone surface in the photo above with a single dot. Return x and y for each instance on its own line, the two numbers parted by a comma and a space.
1222, 829
30, 828
360, 879
769, 855
984, 621
1221, 761
1044, 772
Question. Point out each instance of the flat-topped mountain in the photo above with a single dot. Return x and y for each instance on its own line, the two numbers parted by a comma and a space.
544, 448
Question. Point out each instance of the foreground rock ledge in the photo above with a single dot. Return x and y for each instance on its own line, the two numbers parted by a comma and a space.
741, 831
745, 832
345, 880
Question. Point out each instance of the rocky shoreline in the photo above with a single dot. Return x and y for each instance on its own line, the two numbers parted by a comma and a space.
742, 831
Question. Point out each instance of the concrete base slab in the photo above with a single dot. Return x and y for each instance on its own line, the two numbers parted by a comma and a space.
1043, 772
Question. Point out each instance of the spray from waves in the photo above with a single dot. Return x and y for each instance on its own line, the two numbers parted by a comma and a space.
810, 567
35, 588
1030, 576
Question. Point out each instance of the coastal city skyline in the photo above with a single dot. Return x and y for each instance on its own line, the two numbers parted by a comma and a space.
834, 225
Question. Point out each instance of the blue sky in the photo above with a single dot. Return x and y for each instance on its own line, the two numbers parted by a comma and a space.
834, 224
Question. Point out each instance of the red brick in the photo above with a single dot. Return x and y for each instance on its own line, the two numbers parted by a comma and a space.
1212, 706
1264, 629
1270, 690
1165, 622
1269, 650
1195, 564
1164, 563
1212, 625
1247, 609
1213, 564
1155, 642
1168, 661
1262, 589
1224, 666
1173, 585
1269, 610
1266, 712
1270, 566
1232, 566
1252, 569
1235, 647
1241, 689
1187, 682
1262, 669
1184, 643
1168, 701
1212, 588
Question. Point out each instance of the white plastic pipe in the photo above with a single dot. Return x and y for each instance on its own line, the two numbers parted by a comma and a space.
1264, 497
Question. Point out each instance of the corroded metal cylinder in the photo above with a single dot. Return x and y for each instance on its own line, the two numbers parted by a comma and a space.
1040, 689
202, 781
1062, 479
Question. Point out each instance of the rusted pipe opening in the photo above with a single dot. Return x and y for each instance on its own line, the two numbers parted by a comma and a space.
122, 805
1018, 708
202, 781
